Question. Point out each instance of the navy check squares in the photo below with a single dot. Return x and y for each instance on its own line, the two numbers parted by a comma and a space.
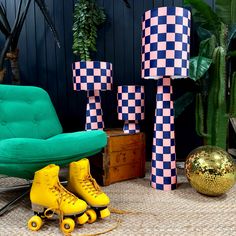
163, 172
130, 106
92, 75
166, 42
94, 119
131, 127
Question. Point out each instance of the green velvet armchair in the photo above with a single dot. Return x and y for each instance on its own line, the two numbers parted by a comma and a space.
31, 135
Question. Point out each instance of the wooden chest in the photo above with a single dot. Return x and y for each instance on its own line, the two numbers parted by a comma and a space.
123, 158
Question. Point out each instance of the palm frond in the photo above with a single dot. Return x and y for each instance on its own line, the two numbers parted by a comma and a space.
127, 3
182, 103
5, 28
203, 34
19, 22
226, 10
5, 50
4, 17
42, 6
19, 13
205, 17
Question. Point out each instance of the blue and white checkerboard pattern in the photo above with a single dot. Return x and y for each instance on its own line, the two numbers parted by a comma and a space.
92, 75
166, 42
94, 114
130, 106
163, 172
131, 127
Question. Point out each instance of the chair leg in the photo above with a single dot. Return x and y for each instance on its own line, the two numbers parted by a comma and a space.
15, 187
6, 208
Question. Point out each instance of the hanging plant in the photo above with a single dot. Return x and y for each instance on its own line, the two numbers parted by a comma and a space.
87, 17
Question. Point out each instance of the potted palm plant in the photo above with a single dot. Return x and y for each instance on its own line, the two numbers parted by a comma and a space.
212, 70
10, 49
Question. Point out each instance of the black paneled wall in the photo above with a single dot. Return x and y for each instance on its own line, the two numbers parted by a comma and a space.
43, 64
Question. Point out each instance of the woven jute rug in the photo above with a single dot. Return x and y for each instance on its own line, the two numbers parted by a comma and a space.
148, 212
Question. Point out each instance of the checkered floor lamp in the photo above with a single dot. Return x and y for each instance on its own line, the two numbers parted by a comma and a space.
130, 107
93, 77
165, 55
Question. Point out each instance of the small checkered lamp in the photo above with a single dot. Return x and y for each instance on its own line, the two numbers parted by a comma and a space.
130, 107
165, 55
93, 77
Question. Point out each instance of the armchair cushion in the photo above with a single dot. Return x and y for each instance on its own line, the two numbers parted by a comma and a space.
27, 112
21, 157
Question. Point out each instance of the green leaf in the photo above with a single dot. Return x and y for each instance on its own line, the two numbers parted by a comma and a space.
204, 16
198, 67
231, 34
87, 18
226, 10
207, 46
231, 54
203, 33
182, 103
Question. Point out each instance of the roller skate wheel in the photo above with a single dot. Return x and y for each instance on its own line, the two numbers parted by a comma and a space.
105, 213
35, 223
92, 215
67, 225
82, 219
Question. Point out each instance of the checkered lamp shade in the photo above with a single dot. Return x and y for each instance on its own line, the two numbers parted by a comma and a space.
93, 76
130, 106
165, 55
166, 42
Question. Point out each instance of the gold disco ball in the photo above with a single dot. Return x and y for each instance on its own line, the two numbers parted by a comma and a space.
210, 170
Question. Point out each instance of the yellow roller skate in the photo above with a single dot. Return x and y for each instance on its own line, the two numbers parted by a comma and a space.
49, 197
82, 184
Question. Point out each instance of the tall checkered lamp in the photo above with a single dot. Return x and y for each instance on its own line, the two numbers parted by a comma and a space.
130, 107
165, 55
93, 77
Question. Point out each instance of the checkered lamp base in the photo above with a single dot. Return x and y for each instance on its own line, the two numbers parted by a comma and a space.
94, 119
163, 173
131, 127
130, 107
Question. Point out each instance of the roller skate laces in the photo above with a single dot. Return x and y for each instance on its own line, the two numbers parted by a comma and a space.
83, 185
63, 195
90, 184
